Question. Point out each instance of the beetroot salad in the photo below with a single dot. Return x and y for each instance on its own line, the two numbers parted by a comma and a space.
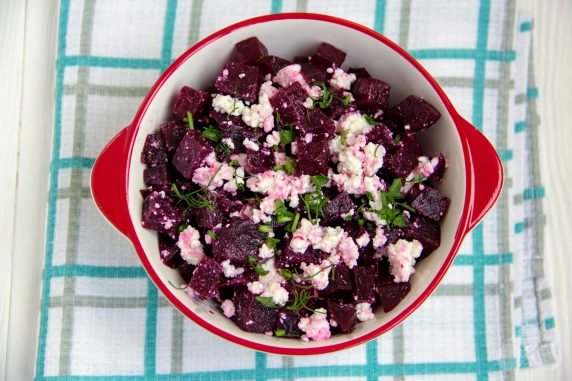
292, 194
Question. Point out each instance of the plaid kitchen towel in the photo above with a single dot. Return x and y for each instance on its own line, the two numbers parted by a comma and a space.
101, 318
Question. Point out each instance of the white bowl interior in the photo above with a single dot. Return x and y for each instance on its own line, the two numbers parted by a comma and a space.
303, 36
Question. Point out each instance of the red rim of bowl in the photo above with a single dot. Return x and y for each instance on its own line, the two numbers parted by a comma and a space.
462, 229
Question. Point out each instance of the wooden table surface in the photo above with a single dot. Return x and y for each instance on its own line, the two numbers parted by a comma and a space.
28, 30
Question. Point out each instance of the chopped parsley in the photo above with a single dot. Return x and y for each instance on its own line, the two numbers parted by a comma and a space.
212, 133
287, 134
370, 120
324, 100
287, 167
266, 301
392, 211
189, 120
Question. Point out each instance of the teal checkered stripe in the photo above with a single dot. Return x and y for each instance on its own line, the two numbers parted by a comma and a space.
480, 278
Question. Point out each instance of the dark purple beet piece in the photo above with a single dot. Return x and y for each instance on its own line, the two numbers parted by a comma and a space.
186, 270
190, 153
288, 321
317, 122
206, 278
345, 315
328, 55
380, 134
169, 252
288, 103
233, 127
364, 278
237, 241
249, 50
337, 107
313, 72
155, 188
404, 159
416, 113
271, 65
240, 81
393, 235
291, 259
158, 175
190, 99
337, 206
259, 161
227, 204
251, 316
161, 214
431, 203
391, 293
206, 218
372, 95
360, 72
427, 232
340, 286
154, 150
312, 158
439, 171
173, 132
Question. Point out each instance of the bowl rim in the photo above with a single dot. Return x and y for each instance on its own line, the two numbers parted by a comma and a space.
467, 221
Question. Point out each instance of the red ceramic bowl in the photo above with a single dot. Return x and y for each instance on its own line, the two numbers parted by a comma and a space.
473, 180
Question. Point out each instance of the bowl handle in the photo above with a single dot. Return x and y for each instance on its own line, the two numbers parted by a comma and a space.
108, 182
487, 173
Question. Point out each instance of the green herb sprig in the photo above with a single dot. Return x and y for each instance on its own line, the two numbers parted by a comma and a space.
393, 208
316, 201
288, 166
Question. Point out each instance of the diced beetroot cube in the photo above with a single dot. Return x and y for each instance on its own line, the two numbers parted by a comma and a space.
190, 99
427, 232
338, 107
288, 321
291, 259
339, 205
380, 134
234, 128
317, 123
345, 315
206, 218
431, 203
251, 316
154, 150
364, 278
372, 95
240, 280
416, 113
158, 175
237, 241
288, 103
354, 230
186, 270
341, 284
313, 72
271, 65
239, 81
227, 204
190, 153
206, 278
404, 159
161, 214
249, 50
328, 55
368, 256
391, 293
393, 235
360, 72
155, 188
173, 132
169, 252
313, 157
439, 171
259, 161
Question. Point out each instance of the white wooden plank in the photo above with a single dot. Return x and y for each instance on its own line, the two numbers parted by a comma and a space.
37, 107
552, 54
12, 16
